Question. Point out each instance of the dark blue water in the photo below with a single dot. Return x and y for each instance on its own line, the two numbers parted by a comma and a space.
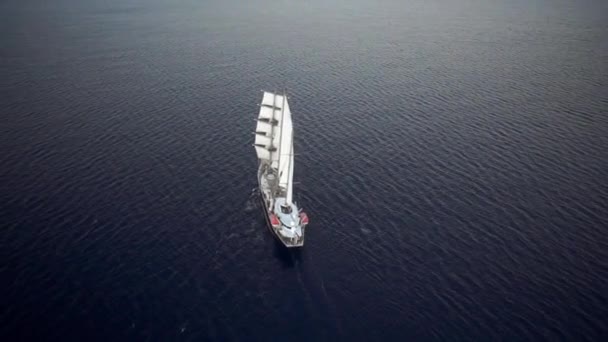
452, 156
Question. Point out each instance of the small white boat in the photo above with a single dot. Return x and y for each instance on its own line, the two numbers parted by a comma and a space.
274, 148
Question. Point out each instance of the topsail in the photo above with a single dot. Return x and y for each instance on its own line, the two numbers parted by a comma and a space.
274, 138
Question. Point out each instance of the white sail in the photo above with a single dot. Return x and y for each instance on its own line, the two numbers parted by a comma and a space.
274, 138
265, 112
262, 153
263, 140
271, 99
267, 132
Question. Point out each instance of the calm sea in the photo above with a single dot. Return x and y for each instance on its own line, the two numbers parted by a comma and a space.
452, 156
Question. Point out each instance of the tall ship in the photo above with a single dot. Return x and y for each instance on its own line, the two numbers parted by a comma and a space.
274, 148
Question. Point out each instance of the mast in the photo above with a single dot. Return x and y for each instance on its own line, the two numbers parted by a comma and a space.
289, 193
289, 190
281, 133
274, 98
288, 154
290, 172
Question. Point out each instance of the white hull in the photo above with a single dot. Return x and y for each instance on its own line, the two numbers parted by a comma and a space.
290, 235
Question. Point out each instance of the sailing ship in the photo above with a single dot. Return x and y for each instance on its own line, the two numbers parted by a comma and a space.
274, 148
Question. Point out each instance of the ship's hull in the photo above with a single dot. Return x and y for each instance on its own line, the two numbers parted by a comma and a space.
268, 200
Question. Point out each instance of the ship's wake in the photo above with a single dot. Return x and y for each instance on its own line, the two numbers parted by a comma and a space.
252, 201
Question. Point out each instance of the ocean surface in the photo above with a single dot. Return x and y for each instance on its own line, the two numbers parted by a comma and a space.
452, 156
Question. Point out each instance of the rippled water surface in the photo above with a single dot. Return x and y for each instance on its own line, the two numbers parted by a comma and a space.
452, 156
